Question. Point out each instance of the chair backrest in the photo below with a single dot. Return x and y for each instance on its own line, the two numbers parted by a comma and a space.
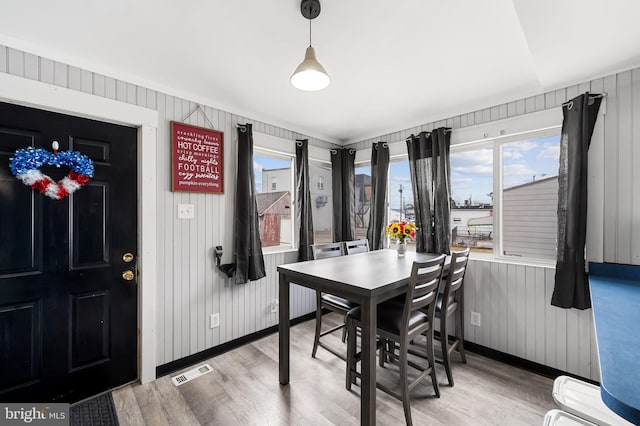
323, 251
423, 288
455, 277
356, 246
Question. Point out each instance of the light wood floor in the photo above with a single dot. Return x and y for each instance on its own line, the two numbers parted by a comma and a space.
243, 389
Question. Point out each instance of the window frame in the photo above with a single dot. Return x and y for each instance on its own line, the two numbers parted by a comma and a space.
279, 147
280, 155
491, 134
497, 143
498, 173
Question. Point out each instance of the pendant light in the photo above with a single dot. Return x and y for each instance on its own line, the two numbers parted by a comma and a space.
310, 76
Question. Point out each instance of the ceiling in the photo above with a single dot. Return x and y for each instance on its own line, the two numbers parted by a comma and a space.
392, 67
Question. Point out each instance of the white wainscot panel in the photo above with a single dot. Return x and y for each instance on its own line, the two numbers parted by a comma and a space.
517, 318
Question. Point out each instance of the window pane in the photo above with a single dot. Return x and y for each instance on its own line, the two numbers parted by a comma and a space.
401, 196
472, 199
273, 198
363, 200
530, 197
322, 205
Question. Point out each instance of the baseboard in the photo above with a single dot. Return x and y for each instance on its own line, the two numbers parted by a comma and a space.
179, 364
487, 352
522, 363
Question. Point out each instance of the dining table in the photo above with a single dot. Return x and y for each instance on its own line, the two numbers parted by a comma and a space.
364, 278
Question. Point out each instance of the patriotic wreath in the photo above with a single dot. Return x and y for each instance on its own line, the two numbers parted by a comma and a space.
25, 165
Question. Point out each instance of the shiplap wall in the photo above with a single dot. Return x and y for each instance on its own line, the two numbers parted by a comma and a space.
514, 300
189, 288
517, 318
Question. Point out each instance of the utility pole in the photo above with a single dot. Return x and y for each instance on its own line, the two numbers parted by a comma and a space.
401, 203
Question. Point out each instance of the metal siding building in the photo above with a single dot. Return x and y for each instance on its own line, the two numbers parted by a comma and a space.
530, 219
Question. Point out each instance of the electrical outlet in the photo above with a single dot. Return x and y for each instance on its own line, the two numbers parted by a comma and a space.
274, 306
476, 319
215, 320
185, 211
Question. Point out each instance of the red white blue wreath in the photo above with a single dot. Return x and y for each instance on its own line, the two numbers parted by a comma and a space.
25, 165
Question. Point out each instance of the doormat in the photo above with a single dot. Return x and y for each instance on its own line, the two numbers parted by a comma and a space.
98, 411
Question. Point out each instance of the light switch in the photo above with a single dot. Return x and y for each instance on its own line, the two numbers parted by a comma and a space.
185, 211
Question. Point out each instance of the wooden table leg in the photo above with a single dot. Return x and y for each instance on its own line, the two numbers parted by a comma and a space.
283, 329
368, 391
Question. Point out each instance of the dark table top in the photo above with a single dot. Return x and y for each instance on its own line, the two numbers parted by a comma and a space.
615, 297
367, 274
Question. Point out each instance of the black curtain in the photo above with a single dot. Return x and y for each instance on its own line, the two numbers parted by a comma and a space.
303, 201
571, 286
248, 248
379, 173
343, 179
431, 181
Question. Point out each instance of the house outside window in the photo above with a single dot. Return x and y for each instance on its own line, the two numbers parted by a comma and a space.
274, 207
363, 199
530, 197
321, 202
275, 196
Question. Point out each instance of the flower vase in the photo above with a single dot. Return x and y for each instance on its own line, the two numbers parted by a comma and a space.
401, 247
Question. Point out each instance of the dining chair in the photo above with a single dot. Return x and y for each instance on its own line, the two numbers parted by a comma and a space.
329, 301
356, 246
400, 323
453, 294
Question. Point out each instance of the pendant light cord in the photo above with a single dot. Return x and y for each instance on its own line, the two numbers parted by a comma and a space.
309, 32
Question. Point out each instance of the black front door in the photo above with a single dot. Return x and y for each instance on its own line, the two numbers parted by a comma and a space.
68, 317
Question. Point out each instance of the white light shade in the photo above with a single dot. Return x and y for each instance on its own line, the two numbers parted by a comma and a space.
310, 76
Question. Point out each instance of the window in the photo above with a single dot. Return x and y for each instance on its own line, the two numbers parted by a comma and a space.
322, 205
524, 172
401, 196
363, 200
274, 206
472, 199
530, 197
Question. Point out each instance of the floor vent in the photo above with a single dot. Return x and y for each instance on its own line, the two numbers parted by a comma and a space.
194, 373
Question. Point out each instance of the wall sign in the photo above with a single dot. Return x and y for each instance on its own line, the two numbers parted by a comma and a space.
197, 159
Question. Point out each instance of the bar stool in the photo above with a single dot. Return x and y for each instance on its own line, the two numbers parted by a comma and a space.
329, 301
400, 323
451, 301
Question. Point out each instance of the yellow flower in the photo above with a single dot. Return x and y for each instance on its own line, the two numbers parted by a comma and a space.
401, 231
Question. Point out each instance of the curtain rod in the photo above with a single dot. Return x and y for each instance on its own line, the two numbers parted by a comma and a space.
596, 96
446, 130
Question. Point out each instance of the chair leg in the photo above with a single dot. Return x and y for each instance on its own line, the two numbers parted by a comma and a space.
431, 359
391, 351
460, 334
404, 385
444, 341
344, 330
316, 339
383, 352
351, 354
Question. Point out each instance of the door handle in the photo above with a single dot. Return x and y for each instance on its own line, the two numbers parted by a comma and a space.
128, 275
